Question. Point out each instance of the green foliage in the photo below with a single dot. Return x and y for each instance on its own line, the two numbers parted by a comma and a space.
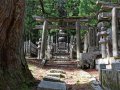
59, 8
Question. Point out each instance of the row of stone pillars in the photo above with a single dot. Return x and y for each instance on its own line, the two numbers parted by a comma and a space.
104, 46
44, 40
91, 40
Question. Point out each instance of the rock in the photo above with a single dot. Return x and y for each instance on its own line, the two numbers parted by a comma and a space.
47, 85
52, 79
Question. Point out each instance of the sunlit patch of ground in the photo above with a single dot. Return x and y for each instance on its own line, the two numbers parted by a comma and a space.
75, 79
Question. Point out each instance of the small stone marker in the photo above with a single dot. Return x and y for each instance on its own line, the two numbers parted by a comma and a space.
47, 85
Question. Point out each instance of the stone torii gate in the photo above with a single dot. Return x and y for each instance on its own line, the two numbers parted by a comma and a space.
46, 27
114, 16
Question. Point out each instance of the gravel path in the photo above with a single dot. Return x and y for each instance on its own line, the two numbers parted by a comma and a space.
76, 79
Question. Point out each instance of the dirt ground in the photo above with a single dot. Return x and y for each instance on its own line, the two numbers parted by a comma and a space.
75, 80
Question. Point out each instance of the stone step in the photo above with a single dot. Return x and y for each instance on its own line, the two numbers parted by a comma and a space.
57, 71
64, 62
47, 85
53, 79
59, 75
61, 66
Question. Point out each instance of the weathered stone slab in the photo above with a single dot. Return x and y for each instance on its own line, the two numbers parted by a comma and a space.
109, 79
56, 75
47, 85
52, 79
57, 71
116, 66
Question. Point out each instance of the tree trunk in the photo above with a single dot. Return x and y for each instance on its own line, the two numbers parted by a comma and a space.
14, 72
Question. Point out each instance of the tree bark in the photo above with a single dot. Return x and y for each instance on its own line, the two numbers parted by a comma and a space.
14, 72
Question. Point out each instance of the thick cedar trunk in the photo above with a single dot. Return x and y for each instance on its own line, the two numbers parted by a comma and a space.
14, 72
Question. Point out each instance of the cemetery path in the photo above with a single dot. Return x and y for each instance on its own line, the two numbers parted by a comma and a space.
76, 79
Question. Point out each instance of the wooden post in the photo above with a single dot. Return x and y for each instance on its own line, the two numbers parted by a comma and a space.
78, 40
44, 40
114, 32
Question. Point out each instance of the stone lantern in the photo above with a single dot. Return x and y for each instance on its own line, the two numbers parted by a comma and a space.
103, 41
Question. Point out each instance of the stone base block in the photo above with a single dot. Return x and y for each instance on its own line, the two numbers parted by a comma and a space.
47, 85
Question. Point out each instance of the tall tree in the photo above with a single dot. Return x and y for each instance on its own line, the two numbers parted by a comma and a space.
14, 72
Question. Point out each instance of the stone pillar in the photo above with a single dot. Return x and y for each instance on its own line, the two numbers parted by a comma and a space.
114, 32
44, 40
71, 47
97, 39
39, 47
56, 45
78, 40
29, 49
48, 47
85, 43
68, 44
49, 41
89, 40
52, 39
94, 37
91, 37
